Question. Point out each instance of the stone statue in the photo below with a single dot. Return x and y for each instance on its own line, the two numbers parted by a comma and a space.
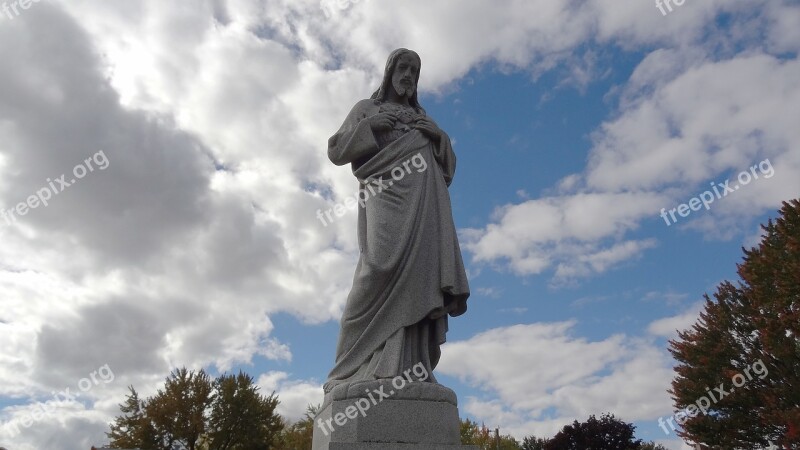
410, 275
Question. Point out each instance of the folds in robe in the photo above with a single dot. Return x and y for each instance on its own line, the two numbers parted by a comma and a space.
410, 274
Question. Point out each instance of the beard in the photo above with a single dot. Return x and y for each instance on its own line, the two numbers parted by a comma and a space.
402, 89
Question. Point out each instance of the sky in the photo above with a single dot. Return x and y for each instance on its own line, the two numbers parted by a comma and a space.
162, 165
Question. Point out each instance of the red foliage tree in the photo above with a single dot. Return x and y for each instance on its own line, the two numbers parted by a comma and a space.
751, 327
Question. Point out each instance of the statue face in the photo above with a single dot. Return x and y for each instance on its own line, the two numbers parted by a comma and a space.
405, 75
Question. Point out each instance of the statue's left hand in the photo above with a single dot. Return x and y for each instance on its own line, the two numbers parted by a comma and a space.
429, 128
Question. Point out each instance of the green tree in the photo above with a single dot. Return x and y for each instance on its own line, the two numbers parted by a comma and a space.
170, 420
474, 434
533, 443
607, 433
242, 418
485, 439
132, 429
507, 443
192, 412
300, 434
753, 324
179, 411
652, 446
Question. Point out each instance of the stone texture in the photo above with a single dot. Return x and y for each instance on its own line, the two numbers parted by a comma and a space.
420, 415
413, 391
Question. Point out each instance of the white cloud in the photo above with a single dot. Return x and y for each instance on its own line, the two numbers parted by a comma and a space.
669, 326
29, 428
678, 131
538, 377
490, 292
567, 231
295, 395
713, 118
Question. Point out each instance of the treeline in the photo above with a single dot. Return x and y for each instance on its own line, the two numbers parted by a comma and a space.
195, 412
607, 433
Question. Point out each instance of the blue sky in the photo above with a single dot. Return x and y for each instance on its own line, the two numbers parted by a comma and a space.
194, 239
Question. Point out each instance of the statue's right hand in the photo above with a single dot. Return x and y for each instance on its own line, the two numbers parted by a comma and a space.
382, 121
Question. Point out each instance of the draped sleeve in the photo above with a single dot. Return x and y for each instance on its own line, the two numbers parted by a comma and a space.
445, 157
354, 142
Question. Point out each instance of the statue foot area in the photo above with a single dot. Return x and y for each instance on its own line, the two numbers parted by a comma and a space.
392, 388
388, 414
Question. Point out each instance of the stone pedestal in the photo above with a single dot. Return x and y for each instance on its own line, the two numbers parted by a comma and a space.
389, 415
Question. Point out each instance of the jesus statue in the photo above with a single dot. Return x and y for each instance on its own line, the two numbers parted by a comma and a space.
410, 275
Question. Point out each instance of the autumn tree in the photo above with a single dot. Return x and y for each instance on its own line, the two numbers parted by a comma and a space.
194, 412
242, 418
739, 365
178, 412
132, 429
608, 433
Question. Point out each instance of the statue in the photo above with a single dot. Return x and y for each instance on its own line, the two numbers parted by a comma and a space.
410, 274
410, 277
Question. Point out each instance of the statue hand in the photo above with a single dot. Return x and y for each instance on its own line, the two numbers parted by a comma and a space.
429, 128
382, 121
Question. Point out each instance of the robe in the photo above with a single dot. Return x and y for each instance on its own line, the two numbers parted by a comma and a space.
410, 274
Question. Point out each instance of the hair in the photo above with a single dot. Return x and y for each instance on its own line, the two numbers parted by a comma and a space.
383, 91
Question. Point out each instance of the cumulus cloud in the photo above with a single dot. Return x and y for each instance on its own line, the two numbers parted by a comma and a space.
295, 395
569, 232
669, 327
672, 141
537, 377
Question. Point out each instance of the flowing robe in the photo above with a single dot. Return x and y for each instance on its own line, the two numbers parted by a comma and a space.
410, 274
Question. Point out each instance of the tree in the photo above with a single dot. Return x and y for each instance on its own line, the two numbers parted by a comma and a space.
132, 429
472, 434
652, 446
608, 433
746, 344
300, 434
178, 412
533, 443
506, 442
192, 412
241, 418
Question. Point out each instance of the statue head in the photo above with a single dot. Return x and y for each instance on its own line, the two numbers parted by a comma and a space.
401, 74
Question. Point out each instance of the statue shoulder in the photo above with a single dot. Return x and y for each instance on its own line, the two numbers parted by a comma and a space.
364, 108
